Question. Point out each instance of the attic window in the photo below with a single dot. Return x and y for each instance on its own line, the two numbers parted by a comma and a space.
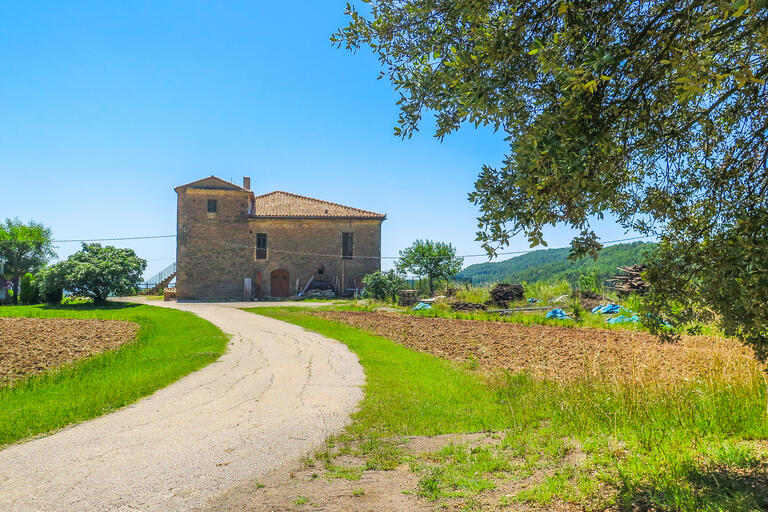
212, 205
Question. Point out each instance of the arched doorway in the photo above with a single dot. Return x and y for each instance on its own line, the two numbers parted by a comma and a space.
278, 283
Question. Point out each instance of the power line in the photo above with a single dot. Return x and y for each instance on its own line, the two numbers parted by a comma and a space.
300, 253
115, 239
93, 239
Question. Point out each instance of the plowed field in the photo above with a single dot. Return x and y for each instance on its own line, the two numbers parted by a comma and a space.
32, 345
561, 353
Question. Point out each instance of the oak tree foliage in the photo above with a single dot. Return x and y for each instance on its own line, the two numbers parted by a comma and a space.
653, 110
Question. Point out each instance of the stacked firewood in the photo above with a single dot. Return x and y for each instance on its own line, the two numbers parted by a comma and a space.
467, 306
631, 281
407, 297
502, 294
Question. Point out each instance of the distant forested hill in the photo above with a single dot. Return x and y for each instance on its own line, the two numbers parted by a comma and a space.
551, 264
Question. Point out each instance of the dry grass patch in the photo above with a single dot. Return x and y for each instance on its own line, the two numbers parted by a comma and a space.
451, 466
33, 345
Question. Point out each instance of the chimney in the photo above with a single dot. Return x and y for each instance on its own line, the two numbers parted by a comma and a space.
247, 182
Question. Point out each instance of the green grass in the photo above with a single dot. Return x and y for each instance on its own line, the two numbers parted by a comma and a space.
643, 446
169, 345
477, 294
547, 290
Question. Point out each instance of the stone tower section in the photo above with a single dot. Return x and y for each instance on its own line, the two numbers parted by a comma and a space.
213, 244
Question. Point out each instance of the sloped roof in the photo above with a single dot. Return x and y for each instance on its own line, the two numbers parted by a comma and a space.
212, 182
284, 204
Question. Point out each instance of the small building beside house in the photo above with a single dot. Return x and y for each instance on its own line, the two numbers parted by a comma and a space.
233, 244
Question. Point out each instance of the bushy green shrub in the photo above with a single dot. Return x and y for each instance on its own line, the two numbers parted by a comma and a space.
383, 285
50, 282
100, 272
28, 292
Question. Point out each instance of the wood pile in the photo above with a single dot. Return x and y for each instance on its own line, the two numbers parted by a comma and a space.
502, 294
318, 293
631, 281
467, 306
407, 297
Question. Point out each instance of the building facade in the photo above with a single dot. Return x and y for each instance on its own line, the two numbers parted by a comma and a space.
233, 244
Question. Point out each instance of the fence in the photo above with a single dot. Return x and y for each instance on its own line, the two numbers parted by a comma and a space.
158, 278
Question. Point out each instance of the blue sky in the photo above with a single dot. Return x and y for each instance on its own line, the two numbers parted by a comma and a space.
106, 106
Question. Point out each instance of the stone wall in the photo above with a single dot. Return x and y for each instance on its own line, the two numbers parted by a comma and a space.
215, 253
212, 251
309, 248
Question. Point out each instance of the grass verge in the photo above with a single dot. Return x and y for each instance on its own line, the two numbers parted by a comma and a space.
583, 445
169, 345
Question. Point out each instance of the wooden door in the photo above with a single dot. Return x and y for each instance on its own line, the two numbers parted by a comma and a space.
278, 284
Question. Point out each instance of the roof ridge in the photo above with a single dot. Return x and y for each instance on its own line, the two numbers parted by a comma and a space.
321, 201
207, 178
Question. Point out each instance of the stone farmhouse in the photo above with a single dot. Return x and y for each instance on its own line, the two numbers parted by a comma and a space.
233, 244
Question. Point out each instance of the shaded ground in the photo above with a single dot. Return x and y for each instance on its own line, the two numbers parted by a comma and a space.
333, 481
33, 345
560, 353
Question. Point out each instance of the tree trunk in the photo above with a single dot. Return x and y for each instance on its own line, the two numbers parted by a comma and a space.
431, 287
16, 286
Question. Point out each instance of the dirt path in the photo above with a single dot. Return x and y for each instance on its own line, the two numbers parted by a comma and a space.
275, 394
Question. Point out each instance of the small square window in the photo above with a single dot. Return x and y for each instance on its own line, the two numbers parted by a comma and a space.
212, 205
261, 246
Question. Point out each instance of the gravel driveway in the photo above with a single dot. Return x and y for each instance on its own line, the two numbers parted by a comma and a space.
275, 394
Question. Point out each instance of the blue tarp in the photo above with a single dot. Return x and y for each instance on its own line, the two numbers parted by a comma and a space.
421, 305
621, 319
609, 309
557, 313
533, 301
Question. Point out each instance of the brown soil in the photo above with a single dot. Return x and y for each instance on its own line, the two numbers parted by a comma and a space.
287, 488
33, 345
561, 353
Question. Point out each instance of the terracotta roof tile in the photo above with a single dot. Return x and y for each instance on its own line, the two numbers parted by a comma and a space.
285, 204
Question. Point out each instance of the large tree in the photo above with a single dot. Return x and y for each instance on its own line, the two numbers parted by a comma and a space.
99, 272
24, 248
433, 260
655, 111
